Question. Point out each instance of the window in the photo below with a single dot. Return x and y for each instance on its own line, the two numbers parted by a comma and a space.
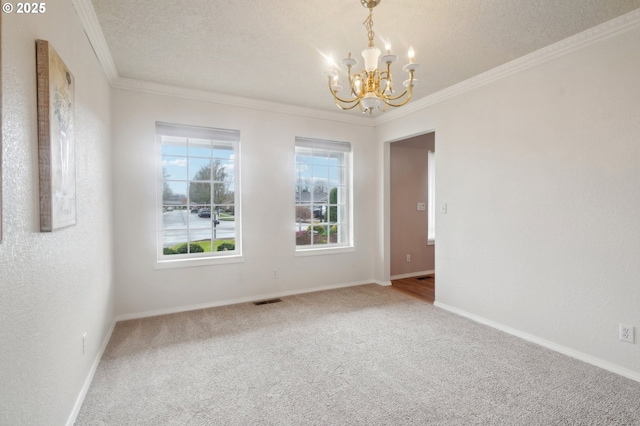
322, 194
199, 212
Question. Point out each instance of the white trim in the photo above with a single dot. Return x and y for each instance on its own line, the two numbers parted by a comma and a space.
605, 365
322, 251
198, 261
87, 382
91, 25
237, 101
92, 28
412, 274
89, 21
564, 47
247, 299
383, 283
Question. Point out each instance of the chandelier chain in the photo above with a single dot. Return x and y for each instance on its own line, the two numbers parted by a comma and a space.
368, 23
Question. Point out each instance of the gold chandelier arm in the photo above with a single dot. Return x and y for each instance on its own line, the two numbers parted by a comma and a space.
338, 98
347, 108
386, 101
408, 91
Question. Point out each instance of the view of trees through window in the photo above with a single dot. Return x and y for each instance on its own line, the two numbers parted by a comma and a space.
198, 191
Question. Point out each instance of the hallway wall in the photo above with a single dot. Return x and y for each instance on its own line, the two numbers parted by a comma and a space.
408, 174
56, 286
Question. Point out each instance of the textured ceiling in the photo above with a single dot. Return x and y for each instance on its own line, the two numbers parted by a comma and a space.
275, 50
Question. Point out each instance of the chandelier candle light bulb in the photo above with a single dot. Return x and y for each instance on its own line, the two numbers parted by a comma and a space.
372, 87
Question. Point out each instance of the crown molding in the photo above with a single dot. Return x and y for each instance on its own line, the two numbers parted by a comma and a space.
92, 28
579, 41
89, 20
236, 101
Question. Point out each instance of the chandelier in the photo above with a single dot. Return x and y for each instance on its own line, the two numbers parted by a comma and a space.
372, 87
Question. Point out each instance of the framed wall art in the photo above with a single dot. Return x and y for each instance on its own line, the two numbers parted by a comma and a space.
0, 128
56, 148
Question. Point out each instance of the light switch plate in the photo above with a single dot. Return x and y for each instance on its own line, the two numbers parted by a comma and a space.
422, 206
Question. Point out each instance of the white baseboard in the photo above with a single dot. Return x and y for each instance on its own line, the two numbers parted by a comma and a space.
412, 274
87, 382
605, 365
383, 283
256, 298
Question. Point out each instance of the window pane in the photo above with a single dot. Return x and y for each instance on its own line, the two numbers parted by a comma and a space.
319, 234
200, 148
224, 171
174, 167
174, 146
202, 221
200, 240
337, 159
320, 157
174, 193
227, 244
223, 152
171, 241
223, 193
200, 169
223, 228
200, 193
303, 214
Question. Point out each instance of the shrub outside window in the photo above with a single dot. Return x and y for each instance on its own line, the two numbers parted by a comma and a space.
322, 208
199, 212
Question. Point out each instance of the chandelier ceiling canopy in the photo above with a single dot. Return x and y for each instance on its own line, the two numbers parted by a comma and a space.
372, 88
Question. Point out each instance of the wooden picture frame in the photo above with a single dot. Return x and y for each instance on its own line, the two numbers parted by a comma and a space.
56, 148
1, 217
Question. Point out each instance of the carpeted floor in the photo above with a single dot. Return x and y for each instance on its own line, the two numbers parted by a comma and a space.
364, 355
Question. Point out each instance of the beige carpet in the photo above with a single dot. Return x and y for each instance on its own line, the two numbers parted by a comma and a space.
366, 355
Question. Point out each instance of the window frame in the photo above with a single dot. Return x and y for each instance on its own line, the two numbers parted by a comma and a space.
344, 204
224, 137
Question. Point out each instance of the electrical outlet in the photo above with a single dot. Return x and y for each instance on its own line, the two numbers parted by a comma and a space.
274, 274
627, 333
408, 258
443, 208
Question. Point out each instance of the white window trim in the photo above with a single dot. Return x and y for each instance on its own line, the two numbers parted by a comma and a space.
194, 262
212, 258
301, 252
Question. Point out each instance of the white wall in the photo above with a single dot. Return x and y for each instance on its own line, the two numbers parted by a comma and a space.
53, 286
267, 185
541, 175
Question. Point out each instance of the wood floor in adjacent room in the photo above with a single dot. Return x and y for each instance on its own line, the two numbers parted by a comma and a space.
421, 287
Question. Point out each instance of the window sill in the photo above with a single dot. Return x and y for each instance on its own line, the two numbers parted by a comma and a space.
205, 261
325, 250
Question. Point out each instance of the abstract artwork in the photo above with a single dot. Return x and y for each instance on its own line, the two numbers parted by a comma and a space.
56, 150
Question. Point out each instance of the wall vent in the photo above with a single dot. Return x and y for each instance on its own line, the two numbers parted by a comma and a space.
266, 302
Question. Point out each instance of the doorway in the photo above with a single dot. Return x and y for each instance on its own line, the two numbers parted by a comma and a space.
411, 253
